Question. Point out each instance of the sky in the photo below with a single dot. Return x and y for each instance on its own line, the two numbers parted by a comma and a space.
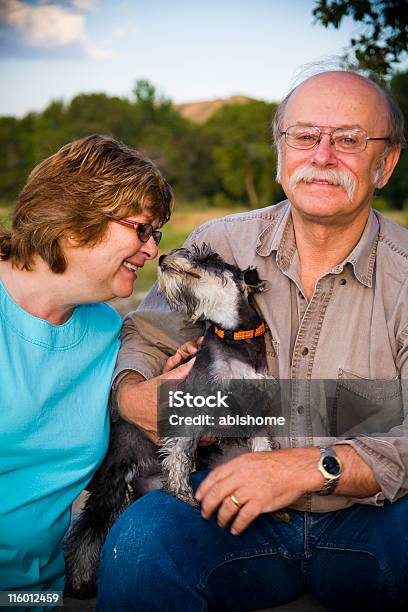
190, 50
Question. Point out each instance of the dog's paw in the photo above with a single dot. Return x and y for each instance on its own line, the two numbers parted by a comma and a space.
280, 515
188, 497
191, 501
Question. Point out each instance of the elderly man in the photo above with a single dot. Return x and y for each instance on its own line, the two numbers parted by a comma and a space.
337, 310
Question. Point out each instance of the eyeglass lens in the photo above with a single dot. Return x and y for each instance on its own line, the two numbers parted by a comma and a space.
306, 137
145, 231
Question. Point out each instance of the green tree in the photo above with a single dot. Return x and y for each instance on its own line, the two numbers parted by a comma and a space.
384, 39
12, 159
49, 131
17, 143
243, 156
102, 114
164, 135
397, 189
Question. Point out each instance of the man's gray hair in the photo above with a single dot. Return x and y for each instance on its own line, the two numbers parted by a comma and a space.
395, 116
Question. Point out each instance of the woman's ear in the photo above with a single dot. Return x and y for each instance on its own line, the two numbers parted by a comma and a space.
71, 240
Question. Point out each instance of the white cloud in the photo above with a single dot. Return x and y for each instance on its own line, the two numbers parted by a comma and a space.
48, 27
124, 30
83, 5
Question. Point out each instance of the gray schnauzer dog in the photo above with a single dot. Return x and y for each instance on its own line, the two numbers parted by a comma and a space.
199, 283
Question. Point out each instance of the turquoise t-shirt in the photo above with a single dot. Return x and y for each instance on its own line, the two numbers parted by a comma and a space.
54, 430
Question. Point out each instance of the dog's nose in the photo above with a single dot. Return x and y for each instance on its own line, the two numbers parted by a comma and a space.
161, 259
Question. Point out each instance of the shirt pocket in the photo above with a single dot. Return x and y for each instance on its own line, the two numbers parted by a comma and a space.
363, 406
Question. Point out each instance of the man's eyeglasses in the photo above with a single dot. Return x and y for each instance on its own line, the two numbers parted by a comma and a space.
144, 231
345, 140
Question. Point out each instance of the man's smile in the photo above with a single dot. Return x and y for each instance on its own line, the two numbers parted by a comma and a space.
321, 182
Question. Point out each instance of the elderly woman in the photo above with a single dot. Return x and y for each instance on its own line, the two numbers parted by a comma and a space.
85, 222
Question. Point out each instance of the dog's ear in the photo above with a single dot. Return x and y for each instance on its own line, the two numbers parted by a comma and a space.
253, 282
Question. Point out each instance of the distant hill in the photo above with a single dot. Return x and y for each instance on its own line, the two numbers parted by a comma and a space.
199, 112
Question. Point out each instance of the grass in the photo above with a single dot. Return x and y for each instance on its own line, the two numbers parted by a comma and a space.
5, 211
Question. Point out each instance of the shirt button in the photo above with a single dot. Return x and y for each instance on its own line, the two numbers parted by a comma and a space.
343, 281
305, 351
300, 409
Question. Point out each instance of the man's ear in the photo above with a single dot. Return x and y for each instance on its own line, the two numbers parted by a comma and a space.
254, 283
389, 164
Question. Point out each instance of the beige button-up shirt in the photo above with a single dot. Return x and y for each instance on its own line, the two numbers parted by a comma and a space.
345, 351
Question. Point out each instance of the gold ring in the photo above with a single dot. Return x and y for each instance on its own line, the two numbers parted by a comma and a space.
235, 501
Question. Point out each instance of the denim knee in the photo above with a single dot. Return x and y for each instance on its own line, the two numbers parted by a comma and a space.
137, 534
143, 564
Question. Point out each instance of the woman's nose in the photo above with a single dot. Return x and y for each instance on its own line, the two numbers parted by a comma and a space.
150, 248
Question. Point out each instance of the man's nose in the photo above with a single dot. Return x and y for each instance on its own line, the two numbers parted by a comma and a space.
324, 152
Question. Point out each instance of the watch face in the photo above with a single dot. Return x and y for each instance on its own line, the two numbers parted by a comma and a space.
331, 465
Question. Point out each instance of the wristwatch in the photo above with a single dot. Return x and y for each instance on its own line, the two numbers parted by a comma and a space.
329, 465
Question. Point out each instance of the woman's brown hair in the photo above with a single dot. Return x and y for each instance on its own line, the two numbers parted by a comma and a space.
74, 192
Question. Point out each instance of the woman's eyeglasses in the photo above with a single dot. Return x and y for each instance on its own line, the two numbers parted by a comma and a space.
144, 231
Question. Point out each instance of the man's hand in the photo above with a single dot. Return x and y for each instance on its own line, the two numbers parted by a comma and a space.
269, 481
260, 482
185, 350
137, 397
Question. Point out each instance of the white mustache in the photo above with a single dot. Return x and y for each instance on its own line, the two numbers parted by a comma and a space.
342, 178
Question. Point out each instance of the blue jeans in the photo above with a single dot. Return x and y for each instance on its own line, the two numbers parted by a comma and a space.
162, 555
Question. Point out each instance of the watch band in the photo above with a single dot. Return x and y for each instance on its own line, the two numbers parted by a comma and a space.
329, 465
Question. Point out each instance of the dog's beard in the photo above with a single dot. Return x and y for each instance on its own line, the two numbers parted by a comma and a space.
213, 300
177, 295
183, 298
307, 174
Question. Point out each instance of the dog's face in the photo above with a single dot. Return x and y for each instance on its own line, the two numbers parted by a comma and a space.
198, 282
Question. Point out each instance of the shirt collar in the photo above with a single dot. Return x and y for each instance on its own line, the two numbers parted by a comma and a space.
279, 237
270, 238
362, 257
